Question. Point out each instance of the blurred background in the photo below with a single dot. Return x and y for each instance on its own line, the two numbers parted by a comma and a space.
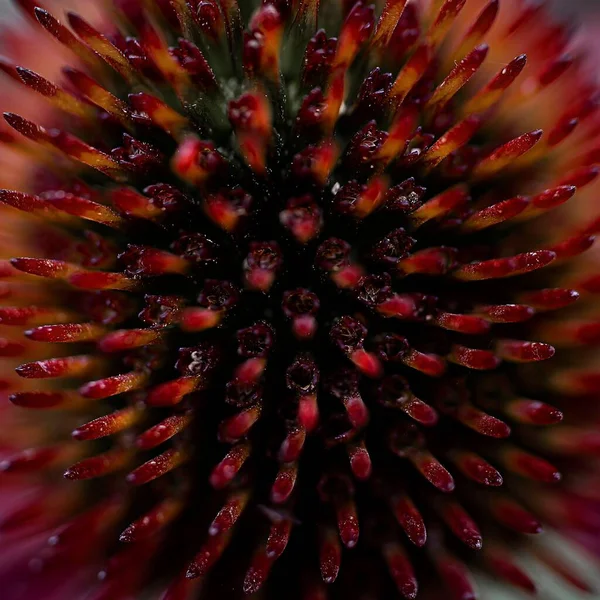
575, 6
565, 7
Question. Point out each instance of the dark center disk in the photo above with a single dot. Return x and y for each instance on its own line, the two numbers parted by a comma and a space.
302, 288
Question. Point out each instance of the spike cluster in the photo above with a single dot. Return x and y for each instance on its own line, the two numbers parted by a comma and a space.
298, 284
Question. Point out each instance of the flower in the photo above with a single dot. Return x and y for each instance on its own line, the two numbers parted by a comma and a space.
290, 290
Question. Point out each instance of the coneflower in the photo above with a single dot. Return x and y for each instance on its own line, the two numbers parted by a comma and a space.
293, 298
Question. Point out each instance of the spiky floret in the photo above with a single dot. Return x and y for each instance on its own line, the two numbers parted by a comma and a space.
290, 286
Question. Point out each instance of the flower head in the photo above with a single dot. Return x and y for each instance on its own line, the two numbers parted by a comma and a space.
297, 294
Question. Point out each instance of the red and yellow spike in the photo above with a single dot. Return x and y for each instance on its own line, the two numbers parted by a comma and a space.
284, 483
100, 465
235, 428
173, 392
503, 157
99, 96
532, 412
163, 431
160, 113
160, 465
224, 472
158, 51
502, 564
472, 466
159, 517
479, 29
31, 316
401, 570
46, 400
392, 11
251, 118
529, 466
86, 209
112, 386
58, 97
65, 37
457, 79
494, 90
452, 140
505, 267
268, 26
444, 21
264, 557
66, 333
410, 74
209, 554
461, 524
69, 366
330, 555
101, 45
440, 205
410, 519
432, 470
128, 339
512, 515
355, 31
496, 214
523, 352
473, 358
230, 513
111, 424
